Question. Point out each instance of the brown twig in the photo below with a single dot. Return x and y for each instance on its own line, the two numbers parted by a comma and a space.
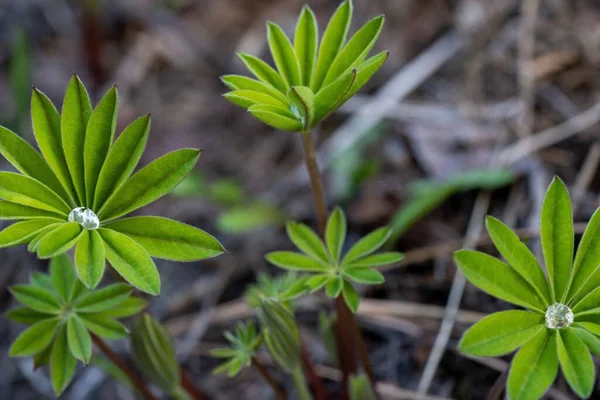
315, 382
310, 158
269, 378
135, 380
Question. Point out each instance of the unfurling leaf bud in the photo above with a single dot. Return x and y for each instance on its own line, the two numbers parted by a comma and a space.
280, 333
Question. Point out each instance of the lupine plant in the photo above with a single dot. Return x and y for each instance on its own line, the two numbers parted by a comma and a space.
560, 322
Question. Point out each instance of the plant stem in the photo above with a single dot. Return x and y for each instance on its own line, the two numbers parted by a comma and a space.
181, 394
310, 158
135, 380
496, 390
300, 383
345, 343
262, 370
315, 382
190, 387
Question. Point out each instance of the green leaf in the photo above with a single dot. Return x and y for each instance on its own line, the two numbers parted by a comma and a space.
44, 281
497, 279
46, 128
356, 50
534, 367
27, 191
150, 183
104, 327
263, 71
586, 269
80, 341
576, 363
331, 43
63, 277
350, 296
360, 388
519, 257
22, 232
90, 258
62, 362
76, 112
591, 341
169, 239
501, 333
28, 161
15, 211
303, 99
42, 358
367, 276
334, 286
130, 306
295, 262
591, 327
38, 236
103, 299
284, 55
239, 82
316, 282
332, 96
36, 298
273, 117
131, 261
306, 41
556, 234
590, 302
376, 260
122, 159
59, 240
26, 315
248, 98
34, 339
335, 233
364, 72
99, 138
307, 241
367, 245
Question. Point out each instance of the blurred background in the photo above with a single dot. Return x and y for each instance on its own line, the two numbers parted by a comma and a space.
479, 105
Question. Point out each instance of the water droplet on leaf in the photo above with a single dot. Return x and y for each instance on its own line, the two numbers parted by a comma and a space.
85, 217
559, 316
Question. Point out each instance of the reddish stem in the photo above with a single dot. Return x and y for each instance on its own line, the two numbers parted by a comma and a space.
190, 387
315, 382
264, 372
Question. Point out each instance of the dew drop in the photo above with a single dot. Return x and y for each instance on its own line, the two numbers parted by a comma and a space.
559, 316
85, 217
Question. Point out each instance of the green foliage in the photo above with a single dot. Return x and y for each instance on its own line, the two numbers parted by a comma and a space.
311, 80
242, 347
325, 263
61, 313
283, 288
73, 193
360, 388
561, 326
280, 333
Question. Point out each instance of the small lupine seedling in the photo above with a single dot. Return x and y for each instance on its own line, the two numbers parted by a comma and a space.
562, 322
312, 80
243, 344
63, 314
325, 263
283, 288
77, 191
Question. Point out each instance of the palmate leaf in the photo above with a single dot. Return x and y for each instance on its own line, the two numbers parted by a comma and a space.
366, 276
263, 71
307, 241
131, 306
103, 299
62, 362
376, 260
79, 339
16, 211
59, 240
35, 338
284, 55
39, 235
27, 191
586, 269
104, 326
367, 245
90, 259
22, 232
36, 298
63, 277
575, 362
296, 262
335, 233
306, 41
26, 315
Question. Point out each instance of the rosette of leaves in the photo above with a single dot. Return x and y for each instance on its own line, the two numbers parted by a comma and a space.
77, 191
242, 348
561, 323
325, 263
283, 288
312, 79
62, 315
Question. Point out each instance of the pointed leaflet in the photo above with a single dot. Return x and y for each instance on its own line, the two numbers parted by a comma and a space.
80, 342
27, 191
350, 296
239, 82
273, 117
496, 278
501, 333
62, 362
99, 137
534, 367
15, 211
36, 298
366, 276
575, 362
24, 231
168, 239
519, 257
332, 41
376, 260
364, 72
306, 41
131, 261
46, 128
248, 98
356, 50
283, 54
130, 306
43, 281
28, 161
63, 277
295, 262
586, 268
150, 183
26, 315
122, 159
104, 327
335, 233
37, 237
589, 303
34, 339
59, 240
556, 233
307, 241
90, 258
334, 286
103, 299
332, 95
302, 98
263, 71
591, 341
76, 113
367, 245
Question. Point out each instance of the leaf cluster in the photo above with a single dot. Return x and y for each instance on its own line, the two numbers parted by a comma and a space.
62, 314
311, 79
521, 281
242, 348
